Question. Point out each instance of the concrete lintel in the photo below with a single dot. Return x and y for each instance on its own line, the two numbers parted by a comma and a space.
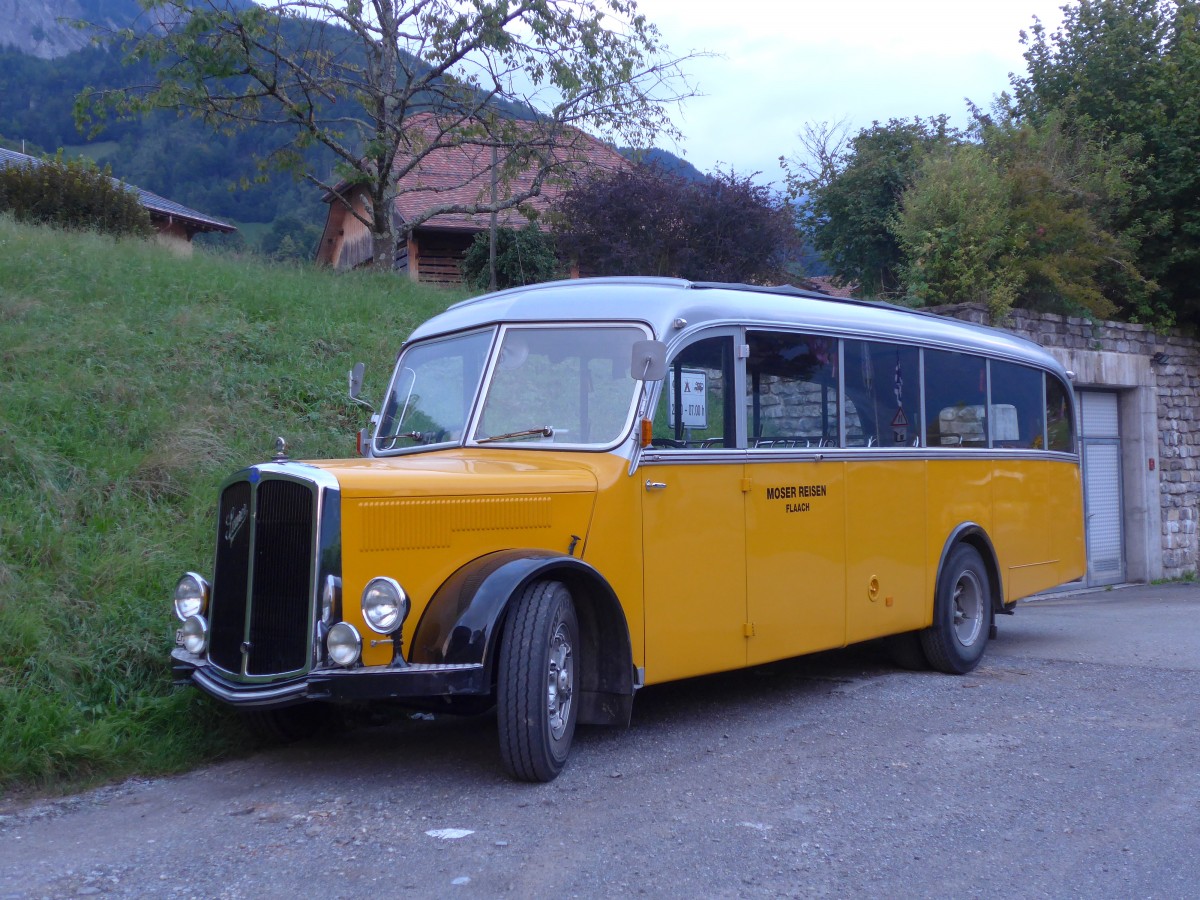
1101, 368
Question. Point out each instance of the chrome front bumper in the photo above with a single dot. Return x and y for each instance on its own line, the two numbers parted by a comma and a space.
417, 682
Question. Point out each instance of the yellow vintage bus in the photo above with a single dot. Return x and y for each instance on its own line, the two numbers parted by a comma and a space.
576, 489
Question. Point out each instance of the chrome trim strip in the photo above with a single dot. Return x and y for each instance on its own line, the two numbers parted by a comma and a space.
400, 671
848, 454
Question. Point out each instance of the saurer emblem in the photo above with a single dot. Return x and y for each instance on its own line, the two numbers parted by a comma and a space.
234, 520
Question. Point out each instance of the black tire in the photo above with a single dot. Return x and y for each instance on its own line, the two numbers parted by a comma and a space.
291, 723
535, 703
962, 613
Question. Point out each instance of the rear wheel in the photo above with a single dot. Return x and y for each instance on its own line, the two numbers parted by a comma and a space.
536, 684
962, 613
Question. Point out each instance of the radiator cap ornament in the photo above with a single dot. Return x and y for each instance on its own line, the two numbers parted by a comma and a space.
281, 453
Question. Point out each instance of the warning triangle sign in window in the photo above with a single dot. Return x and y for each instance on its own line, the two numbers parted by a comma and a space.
900, 420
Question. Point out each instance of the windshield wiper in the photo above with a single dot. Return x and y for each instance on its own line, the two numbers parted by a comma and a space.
419, 437
543, 431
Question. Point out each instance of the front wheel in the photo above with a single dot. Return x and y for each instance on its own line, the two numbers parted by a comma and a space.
962, 613
535, 695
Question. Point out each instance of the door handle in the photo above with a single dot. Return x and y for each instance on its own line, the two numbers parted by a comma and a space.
655, 485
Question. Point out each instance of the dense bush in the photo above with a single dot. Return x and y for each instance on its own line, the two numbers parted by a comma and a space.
644, 221
522, 257
72, 194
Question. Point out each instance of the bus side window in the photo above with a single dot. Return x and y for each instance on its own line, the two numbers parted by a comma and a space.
955, 400
1060, 425
882, 383
791, 391
1016, 412
700, 378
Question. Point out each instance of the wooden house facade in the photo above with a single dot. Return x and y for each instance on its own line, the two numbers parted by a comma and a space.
452, 176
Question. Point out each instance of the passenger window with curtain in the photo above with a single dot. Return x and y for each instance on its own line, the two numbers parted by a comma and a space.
882, 383
1060, 427
955, 400
1016, 413
791, 391
695, 409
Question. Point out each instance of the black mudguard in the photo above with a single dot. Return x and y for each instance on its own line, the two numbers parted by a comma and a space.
464, 623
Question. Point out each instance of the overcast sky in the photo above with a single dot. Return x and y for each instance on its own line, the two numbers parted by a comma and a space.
783, 64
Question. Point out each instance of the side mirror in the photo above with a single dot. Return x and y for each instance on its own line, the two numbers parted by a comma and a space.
649, 361
356, 380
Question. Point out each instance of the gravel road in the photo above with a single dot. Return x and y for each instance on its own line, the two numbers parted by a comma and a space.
1067, 765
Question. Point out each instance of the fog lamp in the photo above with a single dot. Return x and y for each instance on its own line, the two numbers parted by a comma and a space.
191, 596
344, 644
384, 605
194, 635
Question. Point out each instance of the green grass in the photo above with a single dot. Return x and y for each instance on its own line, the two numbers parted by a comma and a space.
131, 383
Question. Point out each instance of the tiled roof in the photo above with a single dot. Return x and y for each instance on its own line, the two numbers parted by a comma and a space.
157, 206
459, 175
826, 284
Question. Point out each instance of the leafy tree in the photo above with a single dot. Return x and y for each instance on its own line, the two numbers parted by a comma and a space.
643, 221
72, 194
1023, 216
849, 189
356, 77
524, 256
290, 238
1132, 67
955, 234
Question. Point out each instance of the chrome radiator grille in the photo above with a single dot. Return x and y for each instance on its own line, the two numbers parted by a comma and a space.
261, 616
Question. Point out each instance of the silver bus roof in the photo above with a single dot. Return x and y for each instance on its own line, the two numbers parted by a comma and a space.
662, 303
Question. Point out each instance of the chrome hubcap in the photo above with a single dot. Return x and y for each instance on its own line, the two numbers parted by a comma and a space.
560, 681
968, 608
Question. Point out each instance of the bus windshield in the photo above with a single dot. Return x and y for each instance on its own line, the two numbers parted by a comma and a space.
563, 385
432, 392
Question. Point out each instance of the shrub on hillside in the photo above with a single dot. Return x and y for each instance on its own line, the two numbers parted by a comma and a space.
644, 221
72, 194
522, 257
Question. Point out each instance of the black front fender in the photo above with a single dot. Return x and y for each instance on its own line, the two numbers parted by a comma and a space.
464, 620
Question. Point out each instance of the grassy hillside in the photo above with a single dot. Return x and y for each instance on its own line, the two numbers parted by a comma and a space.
131, 383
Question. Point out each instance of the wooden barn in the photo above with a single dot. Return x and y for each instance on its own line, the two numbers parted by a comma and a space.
458, 175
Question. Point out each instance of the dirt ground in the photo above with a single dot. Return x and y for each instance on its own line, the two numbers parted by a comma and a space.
1067, 765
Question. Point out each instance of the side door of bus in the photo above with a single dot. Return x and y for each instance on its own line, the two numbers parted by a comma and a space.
693, 516
888, 589
795, 503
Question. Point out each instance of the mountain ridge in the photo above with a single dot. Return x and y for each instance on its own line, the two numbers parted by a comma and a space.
48, 29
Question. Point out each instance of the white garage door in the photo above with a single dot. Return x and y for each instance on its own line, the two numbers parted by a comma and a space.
1101, 442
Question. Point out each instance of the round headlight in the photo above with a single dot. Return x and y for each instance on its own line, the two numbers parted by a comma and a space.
195, 635
384, 605
344, 644
191, 596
